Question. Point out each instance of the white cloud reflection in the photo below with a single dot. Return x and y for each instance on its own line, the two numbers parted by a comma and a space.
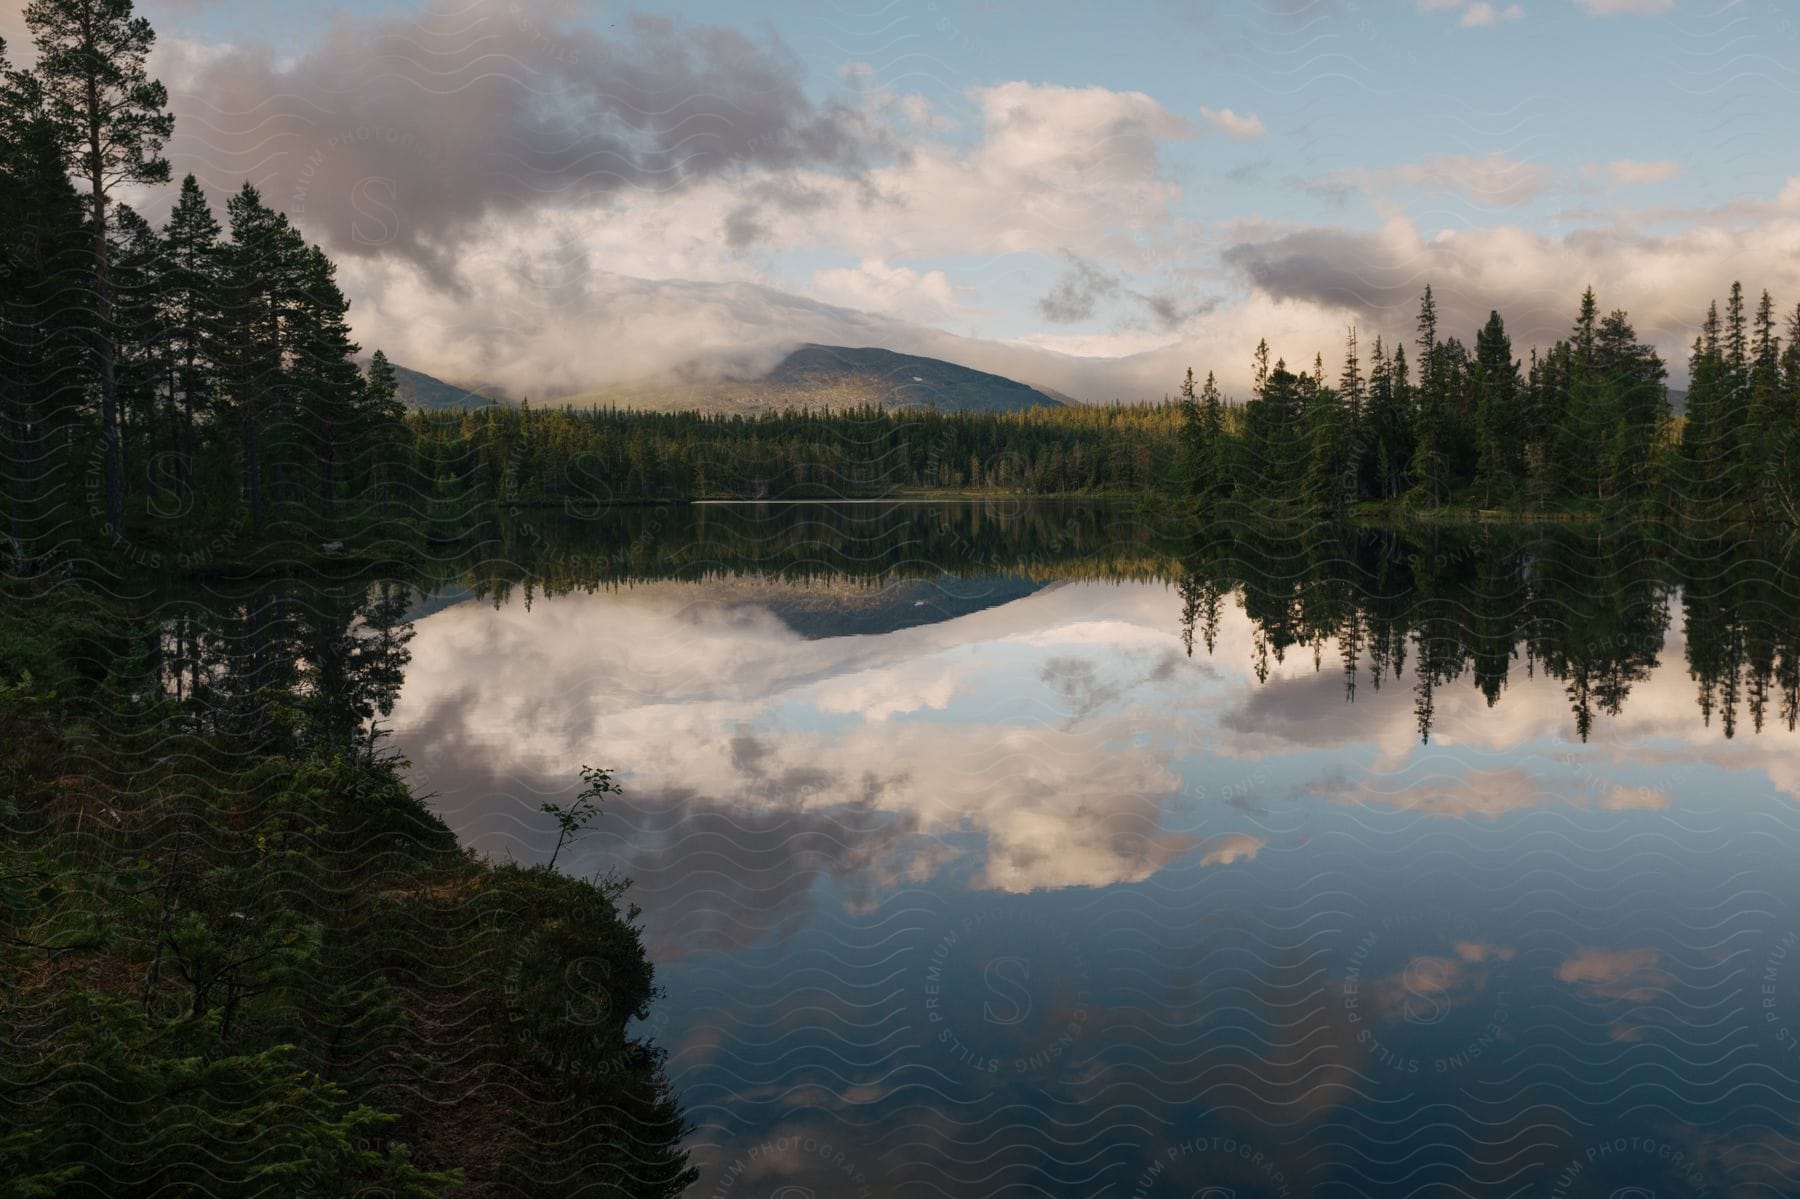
1058, 740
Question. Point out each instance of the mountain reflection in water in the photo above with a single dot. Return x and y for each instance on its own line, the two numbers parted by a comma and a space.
1035, 852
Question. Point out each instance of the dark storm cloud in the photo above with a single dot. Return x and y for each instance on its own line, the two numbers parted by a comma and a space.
1078, 683
1332, 267
1078, 293
1380, 277
393, 136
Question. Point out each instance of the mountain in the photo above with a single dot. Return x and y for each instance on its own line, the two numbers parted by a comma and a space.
816, 611
420, 390
837, 376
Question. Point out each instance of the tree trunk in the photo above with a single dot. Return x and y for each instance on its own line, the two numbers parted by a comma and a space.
106, 351
252, 462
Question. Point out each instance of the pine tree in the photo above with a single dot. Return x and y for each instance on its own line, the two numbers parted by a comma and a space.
1212, 422
1499, 461
1351, 387
324, 383
137, 268
1757, 439
1327, 483
383, 426
1737, 340
1637, 402
1195, 473
1275, 430
262, 272
1430, 453
1715, 414
43, 307
1375, 466
1783, 470
1388, 423
190, 293
1582, 338
1353, 391
1536, 437
109, 112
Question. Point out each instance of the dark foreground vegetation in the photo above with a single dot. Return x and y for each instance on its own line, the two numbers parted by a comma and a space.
237, 955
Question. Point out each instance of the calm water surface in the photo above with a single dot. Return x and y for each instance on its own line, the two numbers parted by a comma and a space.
1022, 852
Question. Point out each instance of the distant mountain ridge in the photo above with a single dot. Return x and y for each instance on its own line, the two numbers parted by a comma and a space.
812, 376
417, 389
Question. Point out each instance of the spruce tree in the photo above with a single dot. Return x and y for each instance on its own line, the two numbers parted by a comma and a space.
1499, 454
382, 427
1212, 425
190, 290
1430, 454
1326, 483
1757, 439
324, 383
262, 274
1196, 471
1582, 338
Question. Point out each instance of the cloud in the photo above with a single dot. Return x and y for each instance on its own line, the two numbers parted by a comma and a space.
1662, 279
1077, 293
1627, 974
1635, 799
496, 193
1608, 8
1478, 15
532, 298
898, 690
1430, 985
1490, 794
399, 135
1045, 170
1237, 847
1479, 951
1482, 14
1625, 171
1488, 179
498, 186
1053, 169
1243, 127
697, 691
875, 286
1485, 793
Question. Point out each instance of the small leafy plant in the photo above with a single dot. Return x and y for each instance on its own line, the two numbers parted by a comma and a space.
573, 818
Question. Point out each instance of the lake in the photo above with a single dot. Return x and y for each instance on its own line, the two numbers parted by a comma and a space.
1020, 850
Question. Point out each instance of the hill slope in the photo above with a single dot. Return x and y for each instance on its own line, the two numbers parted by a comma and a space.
836, 376
420, 390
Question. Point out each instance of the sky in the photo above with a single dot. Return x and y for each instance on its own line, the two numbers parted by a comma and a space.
554, 195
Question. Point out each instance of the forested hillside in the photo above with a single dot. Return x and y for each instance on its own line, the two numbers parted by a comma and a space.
535, 454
